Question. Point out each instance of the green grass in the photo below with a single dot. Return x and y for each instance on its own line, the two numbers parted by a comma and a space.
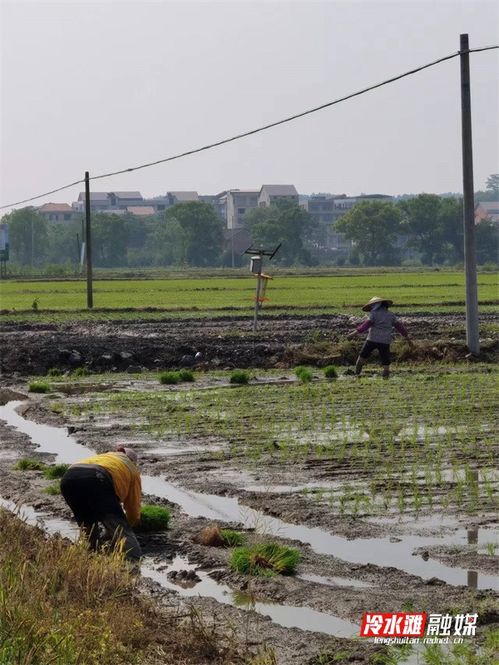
39, 387
153, 518
53, 489
55, 471
344, 291
54, 371
265, 559
239, 377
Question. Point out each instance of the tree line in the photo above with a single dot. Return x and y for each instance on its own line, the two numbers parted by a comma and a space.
426, 229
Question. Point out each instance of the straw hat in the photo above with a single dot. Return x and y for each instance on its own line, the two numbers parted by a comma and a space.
373, 301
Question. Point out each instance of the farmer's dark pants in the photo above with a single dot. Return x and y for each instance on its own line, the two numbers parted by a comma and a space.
384, 351
89, 492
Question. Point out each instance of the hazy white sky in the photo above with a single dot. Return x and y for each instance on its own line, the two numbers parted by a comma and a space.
106, 85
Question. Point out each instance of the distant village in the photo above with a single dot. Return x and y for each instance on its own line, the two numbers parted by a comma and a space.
231, 206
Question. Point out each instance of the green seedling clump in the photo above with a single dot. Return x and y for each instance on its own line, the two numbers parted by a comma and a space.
54, 371
240, 377
39, 387
330, 372
231, 538
53, 489
265, 559
81, 371
153, 518
304, 374
55, 471
186, 375
29, 464
169, 378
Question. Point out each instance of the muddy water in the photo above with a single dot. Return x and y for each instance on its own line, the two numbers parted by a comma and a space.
379, 551
284, 615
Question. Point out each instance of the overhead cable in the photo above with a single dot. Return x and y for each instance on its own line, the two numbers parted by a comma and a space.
257, 130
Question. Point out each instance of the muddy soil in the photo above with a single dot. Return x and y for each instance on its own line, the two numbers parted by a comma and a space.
281, 341
325, 583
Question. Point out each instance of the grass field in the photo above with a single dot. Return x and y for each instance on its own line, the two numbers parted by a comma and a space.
343, 293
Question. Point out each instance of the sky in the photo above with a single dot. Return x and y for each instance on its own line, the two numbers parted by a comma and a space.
102, 86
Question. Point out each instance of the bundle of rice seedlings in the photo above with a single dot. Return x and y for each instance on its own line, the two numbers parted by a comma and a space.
265, 559
330, 372
169, 378
186, 375
39, 387
153, 518
53, 489
304, 374
55, 471
214, 536
239, 376
29, 464
54, 371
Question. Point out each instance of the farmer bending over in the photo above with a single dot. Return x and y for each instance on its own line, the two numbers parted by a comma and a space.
96, 487
380, 325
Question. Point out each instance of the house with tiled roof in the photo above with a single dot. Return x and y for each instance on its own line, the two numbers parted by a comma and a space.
58, 212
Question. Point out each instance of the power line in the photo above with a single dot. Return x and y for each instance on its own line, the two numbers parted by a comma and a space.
259, 129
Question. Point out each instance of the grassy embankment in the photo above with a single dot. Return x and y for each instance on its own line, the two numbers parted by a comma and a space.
218, 296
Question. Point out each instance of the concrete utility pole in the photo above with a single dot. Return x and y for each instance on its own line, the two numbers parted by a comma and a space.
472, 326
88, 242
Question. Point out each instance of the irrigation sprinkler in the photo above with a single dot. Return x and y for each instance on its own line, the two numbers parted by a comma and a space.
256, 267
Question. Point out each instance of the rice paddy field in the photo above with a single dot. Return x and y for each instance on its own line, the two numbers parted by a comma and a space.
342, 292
297, 500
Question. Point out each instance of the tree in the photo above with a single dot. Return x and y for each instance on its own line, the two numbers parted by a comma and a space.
450, 225
492, 184
27, 235
373, 226
109, 240
420, 221
165, 244
282, 222
201, 232
487, 242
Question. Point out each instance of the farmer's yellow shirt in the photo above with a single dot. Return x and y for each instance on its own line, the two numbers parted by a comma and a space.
126, 481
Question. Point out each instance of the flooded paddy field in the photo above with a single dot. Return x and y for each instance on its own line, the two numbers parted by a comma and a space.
388, 489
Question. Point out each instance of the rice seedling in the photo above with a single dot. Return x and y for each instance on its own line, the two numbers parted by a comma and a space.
330, 372
239, 377
232, 538
169, 378
81, 371
39, 387
54, 371
214, 536
55, 471
265, 559
186, 375
153, 518
29, 464
304, 373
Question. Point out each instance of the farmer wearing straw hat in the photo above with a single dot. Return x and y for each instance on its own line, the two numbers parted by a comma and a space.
380, 324
96, 487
